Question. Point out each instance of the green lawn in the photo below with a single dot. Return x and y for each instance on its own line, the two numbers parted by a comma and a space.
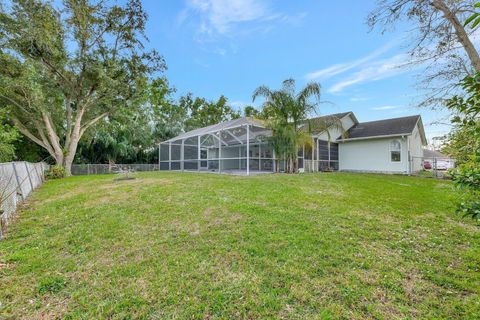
204, 246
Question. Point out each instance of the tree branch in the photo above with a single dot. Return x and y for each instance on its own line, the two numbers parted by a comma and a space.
15, 103
52, 135
460, 32
27, 133
92, 122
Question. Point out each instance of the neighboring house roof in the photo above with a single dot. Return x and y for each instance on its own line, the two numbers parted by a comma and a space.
220, 126
331, 116
433, 154
327, 118
385, 128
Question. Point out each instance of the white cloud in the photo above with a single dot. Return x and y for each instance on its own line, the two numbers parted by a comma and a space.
357, 99
336, 69
223, 18
374, 66
375, 70
386, 108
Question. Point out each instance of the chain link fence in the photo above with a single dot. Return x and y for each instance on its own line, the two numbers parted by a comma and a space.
89, 169
17, 181
432, 167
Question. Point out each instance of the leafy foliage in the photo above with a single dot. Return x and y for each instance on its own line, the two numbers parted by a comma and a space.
467, 178
168, 115
467, 120
202, 113
8, 137
284, 110
64, 67
55, 172
474, 19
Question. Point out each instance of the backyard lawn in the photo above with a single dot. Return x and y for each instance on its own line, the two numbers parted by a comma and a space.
205, 246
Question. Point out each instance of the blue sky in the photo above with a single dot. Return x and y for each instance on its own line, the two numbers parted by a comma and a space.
215, 47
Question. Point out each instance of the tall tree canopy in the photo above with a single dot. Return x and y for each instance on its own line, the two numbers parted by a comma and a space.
201, 112
8, 137
438, 38
168, 115
466, 109
65, 67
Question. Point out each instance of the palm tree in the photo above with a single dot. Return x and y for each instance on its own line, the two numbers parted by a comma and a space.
285, 109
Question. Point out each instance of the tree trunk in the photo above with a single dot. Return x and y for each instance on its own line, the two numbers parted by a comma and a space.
72, 150
460, 32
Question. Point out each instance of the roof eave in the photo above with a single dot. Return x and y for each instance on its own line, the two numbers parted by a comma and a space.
376, 137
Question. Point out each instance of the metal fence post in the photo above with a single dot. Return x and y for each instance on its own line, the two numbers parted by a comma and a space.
19, 185
248, 150
169, 155
28, 174
40, 180
199, 154
182, 156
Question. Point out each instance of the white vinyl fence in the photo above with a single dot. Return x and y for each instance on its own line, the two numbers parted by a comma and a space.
17, 181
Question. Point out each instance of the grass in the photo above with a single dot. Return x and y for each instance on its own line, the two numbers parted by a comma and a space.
177, 246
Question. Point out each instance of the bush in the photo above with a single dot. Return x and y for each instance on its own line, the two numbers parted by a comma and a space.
56, 172
467, 178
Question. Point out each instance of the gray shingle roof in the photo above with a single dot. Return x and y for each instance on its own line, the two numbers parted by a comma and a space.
387, 127
335, 115
433, 154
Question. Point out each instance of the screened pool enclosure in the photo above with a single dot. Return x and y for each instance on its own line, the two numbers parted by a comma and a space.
238, 146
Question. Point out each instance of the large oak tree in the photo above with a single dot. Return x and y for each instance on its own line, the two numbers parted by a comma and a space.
64, 67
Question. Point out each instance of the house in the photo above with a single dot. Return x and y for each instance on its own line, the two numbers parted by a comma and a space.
387, 146
340, 143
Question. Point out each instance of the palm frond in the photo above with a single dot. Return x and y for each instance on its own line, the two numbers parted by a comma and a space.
326, 125
262, 91
311, 89
288, 86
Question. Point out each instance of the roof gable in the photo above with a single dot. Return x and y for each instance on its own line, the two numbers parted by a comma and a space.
329, 119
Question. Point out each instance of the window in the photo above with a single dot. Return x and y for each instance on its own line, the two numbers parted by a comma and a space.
395, 151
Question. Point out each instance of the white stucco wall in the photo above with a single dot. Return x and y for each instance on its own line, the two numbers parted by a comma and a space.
372, 155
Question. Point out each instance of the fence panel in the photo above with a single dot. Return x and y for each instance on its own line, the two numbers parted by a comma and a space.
432, 167
89, 169
17, 181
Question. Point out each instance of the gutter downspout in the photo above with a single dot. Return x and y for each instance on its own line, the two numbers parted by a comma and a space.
408, 156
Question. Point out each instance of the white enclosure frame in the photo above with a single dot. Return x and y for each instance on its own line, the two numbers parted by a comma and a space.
237, 146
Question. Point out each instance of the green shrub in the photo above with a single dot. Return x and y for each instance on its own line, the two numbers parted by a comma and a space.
467, 178
56, 172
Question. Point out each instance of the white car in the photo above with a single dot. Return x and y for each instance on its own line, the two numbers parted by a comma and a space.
444, 164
